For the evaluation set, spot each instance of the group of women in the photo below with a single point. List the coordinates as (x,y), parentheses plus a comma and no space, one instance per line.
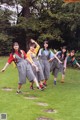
(38,62)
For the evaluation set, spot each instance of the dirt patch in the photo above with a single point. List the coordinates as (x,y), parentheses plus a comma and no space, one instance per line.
(50,110)
(26,93)
(7,89)
(31,97)
(42,104)
(43,118)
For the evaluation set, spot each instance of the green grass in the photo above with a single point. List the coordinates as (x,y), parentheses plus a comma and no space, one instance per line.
(65,98)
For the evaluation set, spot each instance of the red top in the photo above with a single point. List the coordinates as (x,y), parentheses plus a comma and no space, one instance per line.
(11,58)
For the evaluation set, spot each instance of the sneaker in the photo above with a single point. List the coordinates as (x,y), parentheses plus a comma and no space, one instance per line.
(18,92)
(31,87)
(40,88)
(62,81)
(54,82)
(45,84)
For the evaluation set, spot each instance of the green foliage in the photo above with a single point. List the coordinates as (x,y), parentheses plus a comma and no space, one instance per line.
(41,19)
(5,44)
(5,39)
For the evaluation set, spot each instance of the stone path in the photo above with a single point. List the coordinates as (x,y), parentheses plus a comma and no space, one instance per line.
(31,97)
(50,110)
(44,118)
(42,104)
(7,89)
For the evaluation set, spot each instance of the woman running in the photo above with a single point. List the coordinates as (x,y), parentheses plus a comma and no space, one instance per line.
(60,67)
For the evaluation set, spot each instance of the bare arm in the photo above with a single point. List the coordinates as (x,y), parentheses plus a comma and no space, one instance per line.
(65,62)
(4,68)
(78,64)
(37,46)
(57,59)
(29,59)
(32,63)
(33,41)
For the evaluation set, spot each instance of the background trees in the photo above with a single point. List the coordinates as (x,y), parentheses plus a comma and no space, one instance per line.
(54,20)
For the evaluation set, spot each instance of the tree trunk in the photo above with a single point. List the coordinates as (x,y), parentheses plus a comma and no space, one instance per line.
(26,14)
(26,10)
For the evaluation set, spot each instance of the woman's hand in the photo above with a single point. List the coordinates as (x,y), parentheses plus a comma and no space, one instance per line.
(35,67)
(64,69)
(60,61)
(6,65)
(32,41)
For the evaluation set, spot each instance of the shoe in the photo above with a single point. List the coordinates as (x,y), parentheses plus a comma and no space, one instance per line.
(40,88)
(54,82)
(45,85)
(62,81)
(18,92)
(31,87)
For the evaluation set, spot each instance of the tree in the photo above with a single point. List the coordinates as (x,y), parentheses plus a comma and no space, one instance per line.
(48,19)
(5,39)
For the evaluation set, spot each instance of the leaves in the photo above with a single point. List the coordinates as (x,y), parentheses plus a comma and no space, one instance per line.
(41,19)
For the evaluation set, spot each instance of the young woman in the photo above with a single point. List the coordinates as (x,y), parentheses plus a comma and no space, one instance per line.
(62,55)
(31,54)
(46,56)
(71,58)
(23,65)
(60,67)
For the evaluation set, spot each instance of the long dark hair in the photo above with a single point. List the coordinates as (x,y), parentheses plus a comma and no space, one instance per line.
(13,51)
(65,53)
(72,51)
(47,42)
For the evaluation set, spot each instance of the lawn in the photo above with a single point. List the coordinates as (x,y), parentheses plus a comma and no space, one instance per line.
(63,99)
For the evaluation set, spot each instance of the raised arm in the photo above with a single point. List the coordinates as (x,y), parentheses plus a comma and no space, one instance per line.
(4,68)
(37,46)
(78,64)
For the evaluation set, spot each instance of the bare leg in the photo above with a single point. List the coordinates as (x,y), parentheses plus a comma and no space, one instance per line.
(41,82)
(31,85)
(36,81)
(62,80)
(42,85)
(19,86)
(45,82)
(55,80)
(18,89)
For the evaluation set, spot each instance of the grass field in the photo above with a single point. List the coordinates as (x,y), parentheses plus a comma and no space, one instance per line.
(63,98)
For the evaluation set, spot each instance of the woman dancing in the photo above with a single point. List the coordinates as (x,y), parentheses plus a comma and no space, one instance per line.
(32,55)
(23,66)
